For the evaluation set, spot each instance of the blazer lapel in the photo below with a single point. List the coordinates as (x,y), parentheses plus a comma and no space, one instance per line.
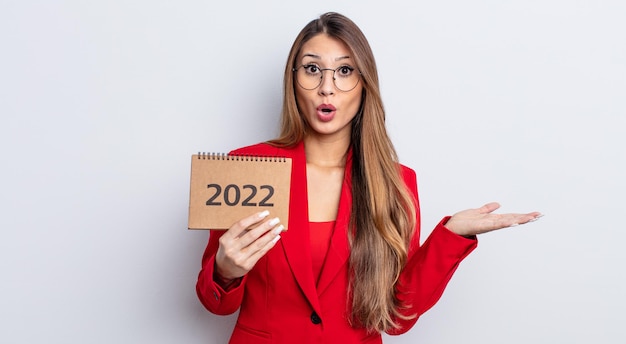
(339,249)
(295,241)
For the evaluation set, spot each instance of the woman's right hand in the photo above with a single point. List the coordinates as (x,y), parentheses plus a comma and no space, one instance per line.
(243,244)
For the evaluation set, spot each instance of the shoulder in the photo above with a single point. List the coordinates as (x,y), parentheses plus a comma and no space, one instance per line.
(264,149)
(409,176)
(259,148)
(410,180)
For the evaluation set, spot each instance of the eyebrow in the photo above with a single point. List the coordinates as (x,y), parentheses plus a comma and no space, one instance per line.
(318,57)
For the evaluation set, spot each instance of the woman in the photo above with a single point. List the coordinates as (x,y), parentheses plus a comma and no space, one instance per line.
(350,266)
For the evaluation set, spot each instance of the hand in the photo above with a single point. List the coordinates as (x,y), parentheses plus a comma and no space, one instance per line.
(477,221)
(243,244)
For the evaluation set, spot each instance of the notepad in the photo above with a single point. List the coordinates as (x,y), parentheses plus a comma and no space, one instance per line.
(226,188)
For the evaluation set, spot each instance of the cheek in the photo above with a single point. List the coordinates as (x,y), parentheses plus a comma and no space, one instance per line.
(357,99)
(299,98)
(303,102)
(302,106)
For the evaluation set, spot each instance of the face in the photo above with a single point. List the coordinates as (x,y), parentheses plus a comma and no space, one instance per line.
(327,109)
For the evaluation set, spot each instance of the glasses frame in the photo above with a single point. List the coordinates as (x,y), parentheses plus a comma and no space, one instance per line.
(295,70)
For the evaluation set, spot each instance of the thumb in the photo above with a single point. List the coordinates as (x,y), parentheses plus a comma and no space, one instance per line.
(489,207)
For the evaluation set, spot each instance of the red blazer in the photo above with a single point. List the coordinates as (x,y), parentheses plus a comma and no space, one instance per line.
(279,300)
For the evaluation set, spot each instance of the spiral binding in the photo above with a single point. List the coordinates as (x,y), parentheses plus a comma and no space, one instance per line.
(237,157)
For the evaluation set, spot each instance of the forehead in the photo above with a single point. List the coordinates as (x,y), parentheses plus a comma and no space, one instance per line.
(325,48)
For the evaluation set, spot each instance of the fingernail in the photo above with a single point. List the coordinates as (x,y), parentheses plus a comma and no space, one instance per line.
(536,218)
(278,229)
(274,221)
(276,238)
(515,224)
(264,214)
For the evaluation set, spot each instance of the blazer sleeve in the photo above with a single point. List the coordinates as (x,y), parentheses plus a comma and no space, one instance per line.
(211,295)
(429,267)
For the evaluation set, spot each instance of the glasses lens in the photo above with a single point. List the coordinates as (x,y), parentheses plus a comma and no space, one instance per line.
(346,78)
(310,77)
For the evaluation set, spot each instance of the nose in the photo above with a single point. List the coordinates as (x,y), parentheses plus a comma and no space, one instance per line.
(327,86)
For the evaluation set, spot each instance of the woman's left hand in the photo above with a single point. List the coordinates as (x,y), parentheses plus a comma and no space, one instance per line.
(477,221)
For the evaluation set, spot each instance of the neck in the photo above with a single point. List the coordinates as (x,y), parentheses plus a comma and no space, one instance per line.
(326,152)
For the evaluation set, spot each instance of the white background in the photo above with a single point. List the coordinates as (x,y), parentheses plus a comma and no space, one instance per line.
(102,104)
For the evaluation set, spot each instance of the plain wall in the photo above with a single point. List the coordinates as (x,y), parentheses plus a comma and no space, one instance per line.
(102,104)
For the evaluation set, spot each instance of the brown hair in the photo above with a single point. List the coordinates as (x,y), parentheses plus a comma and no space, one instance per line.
(383,213)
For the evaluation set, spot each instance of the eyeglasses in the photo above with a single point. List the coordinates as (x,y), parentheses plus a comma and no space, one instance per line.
(310,77)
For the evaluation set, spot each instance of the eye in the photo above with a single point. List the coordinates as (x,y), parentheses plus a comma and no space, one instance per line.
(345,71)
(311,69)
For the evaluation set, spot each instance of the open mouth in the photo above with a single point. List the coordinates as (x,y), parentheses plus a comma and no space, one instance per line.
(326,108)
(326,112)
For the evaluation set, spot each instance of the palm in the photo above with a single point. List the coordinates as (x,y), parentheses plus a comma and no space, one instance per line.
(482,220)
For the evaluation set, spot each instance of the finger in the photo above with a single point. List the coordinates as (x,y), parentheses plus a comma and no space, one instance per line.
(257,232)
(489,207)
(238,250)
(244,224)
(261,246)
(530,217)
(242,259)
(512,220)
(269,241)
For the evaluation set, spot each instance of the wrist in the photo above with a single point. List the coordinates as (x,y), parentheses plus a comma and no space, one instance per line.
(226,283)
(222,281)
(449,224)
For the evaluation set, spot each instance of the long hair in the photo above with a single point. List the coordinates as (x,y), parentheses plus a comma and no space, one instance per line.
(382,217)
